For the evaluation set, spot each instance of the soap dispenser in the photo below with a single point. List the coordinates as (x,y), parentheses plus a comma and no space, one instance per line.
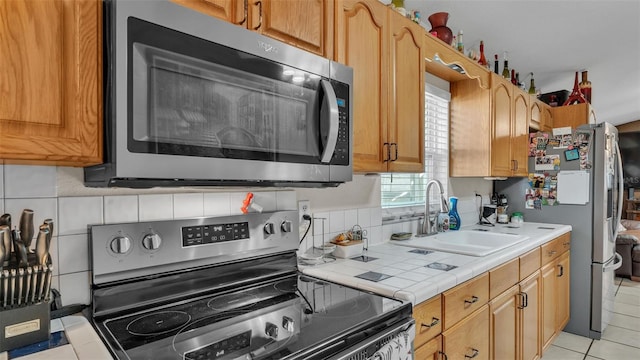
(454,217)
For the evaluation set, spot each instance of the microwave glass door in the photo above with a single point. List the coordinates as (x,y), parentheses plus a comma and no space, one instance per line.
(197,98)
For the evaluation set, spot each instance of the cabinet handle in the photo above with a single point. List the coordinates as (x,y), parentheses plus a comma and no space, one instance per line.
(443,354)
(434,322)
(396,153)
(259,3)
(515,165)
(474,353)
(552,252)
(524,300)
(388,147)
(474,299)
(566,243)
(244,19)
(561,270)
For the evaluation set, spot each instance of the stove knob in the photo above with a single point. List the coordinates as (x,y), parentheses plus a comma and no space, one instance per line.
(120,245)
(288,324)
(271,330)
(151,241)
(286,226)
(269,229)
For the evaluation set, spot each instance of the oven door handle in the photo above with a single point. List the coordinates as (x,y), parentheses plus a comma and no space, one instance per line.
(329,113)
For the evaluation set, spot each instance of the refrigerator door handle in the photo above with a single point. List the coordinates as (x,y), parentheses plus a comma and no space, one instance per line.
(620,192)
(615,264)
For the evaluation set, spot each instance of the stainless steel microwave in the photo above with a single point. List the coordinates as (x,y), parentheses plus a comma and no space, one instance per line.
(192,100)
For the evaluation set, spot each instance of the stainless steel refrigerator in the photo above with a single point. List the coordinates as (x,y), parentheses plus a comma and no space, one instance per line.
(590,185)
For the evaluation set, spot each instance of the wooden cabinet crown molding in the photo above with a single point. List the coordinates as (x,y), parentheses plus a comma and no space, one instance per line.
(448,63)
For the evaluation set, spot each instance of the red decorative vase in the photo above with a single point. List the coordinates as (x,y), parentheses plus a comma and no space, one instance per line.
(439,26)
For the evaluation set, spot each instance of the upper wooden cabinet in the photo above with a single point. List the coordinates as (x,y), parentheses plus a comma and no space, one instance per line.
(573,115)
(386,53)
(540,117)
(489,129)
(510,111)
(304,24)
(50,82)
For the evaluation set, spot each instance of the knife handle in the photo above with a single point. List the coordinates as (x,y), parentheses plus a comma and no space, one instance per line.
(20,249)
(3,250)
(20,282)
(5,287)
(49,223)
(27,285)
(12,285)
(42,250)
(43,278)
(47,287)
(34,283)
(6,240)
(26,227)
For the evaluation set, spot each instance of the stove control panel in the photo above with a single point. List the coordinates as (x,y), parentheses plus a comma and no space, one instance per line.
(214,233)
(132,250)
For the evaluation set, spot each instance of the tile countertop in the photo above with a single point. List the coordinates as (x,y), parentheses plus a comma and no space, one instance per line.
(410,279)
(84,342)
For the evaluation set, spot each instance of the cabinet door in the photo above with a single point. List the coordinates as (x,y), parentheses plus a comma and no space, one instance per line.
(501,164)
(563,296)
(232,11)
(406,122)
(304,24)
(549,297)
(530,346)
(362,42)
(547,119)
(504,325)
(50,82)
(428,316)
(430,351)
(535,115)
(520,133)
(469,338)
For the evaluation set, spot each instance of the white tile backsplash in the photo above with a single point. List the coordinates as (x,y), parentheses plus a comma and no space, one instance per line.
(25,181)
(78,212)
(364,217)
(155,207)
(336,221)
(188,205)
(74,288)
(53,254)
(121,208)
(321,223)
(217,204)
(286,200)
(350,218)
(73,253)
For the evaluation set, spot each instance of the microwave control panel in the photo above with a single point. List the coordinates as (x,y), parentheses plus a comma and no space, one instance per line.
(341,153)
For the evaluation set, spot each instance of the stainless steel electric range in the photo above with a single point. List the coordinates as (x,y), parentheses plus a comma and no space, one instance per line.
(229,288)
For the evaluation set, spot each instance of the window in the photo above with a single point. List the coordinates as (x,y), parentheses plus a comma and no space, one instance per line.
(409,189)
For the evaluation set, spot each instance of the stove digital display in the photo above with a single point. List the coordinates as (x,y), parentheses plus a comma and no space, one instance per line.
(221,348)
(214,233)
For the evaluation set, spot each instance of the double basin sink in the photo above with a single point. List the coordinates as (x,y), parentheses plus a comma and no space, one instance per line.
(474,242)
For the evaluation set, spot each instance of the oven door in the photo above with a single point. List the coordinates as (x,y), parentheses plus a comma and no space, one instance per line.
(198,98)
(394,344)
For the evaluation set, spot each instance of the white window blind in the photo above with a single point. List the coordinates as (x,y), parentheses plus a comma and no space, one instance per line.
(409,189)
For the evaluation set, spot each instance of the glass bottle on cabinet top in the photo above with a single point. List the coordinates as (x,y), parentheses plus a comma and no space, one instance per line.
(495,64)
(483,60)
(532,87)
(505,68)
(460,44)
(585,87)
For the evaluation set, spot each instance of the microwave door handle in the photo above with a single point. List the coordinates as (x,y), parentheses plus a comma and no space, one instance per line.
(329,112)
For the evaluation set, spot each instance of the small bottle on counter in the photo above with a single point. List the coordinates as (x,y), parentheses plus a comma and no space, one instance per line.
(454,217)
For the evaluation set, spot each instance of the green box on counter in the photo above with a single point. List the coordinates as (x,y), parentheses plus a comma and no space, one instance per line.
(24,325)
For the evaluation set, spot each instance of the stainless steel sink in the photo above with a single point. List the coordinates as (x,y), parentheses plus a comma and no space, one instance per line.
(466,242)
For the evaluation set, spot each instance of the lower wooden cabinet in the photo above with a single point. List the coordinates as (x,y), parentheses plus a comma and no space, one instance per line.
(430,351)
(469,338)
(504,324)
(555,297)
(529,317)
(513,311)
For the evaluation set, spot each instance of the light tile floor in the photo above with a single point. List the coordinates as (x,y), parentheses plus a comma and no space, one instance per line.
(620,340)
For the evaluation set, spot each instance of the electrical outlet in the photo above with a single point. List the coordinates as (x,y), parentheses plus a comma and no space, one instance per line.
(304,208)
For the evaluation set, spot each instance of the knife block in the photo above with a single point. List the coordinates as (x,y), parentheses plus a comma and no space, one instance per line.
(24,325)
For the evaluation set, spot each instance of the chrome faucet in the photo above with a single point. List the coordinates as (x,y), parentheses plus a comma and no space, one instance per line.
(430,223)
